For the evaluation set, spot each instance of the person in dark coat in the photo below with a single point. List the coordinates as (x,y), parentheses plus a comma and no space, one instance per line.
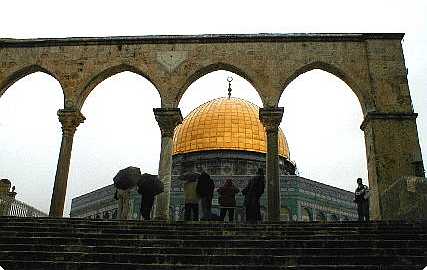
(361,198)
(205,189)
(227,199)
(147,201)
(252,193)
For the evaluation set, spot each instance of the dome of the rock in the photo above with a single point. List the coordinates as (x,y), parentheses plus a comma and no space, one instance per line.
(224,124)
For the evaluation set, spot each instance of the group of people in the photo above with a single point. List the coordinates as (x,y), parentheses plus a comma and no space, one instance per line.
(123,197)
(203,189)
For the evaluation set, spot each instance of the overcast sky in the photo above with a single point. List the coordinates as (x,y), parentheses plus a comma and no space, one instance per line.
(321,119)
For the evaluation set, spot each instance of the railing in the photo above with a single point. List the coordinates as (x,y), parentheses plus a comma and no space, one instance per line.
(12,207)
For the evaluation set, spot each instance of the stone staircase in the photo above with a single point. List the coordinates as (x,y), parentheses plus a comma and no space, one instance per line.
(49,243)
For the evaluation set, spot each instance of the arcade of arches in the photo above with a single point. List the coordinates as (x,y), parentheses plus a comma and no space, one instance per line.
(371,64)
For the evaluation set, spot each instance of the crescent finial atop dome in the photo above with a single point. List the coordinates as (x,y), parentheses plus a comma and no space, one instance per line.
(229,80)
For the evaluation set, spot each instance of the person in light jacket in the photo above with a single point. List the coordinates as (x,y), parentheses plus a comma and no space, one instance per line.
(123,196)
(191,201)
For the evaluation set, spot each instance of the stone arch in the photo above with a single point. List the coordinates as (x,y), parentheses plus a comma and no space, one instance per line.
(215,67)
(23,72)
(364,100)
(351,108)
(107,73)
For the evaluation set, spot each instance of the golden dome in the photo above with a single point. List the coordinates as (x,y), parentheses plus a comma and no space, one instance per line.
(224,123)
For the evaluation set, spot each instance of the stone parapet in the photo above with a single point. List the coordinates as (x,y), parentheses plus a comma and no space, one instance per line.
(405,199)
(208,38)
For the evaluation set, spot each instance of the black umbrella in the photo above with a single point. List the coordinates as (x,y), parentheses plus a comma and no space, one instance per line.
(150,184)
(189,176)
(127,178)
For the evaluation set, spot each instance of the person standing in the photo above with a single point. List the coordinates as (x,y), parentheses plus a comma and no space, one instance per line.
(205,188)
(147,201)
(227,199)
(191,201)
(148,186)
(122,195)
(361,198)
(252,193)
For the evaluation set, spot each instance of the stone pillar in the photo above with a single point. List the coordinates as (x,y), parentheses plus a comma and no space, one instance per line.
(168,119)
(393,151)
(70,120)
(5,197)
(271,118)
(5,185)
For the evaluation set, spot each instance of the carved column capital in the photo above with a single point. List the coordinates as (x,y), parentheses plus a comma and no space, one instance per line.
(271,118)
(70,120)
(168,119)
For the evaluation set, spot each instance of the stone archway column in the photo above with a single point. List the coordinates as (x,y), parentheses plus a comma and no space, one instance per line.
(395,166)
(271,118)
(168,119)
(70,120)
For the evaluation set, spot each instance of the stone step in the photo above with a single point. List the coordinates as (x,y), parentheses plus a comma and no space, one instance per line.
(305,243)
(220,237)
(219,228)
(229,259)
(55,243)
(49,265)
(297,225)
(215,251)
(208,223)
(234,230)
(205,231)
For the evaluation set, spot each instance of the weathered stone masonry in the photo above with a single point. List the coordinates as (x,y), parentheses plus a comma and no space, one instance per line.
(371,64)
